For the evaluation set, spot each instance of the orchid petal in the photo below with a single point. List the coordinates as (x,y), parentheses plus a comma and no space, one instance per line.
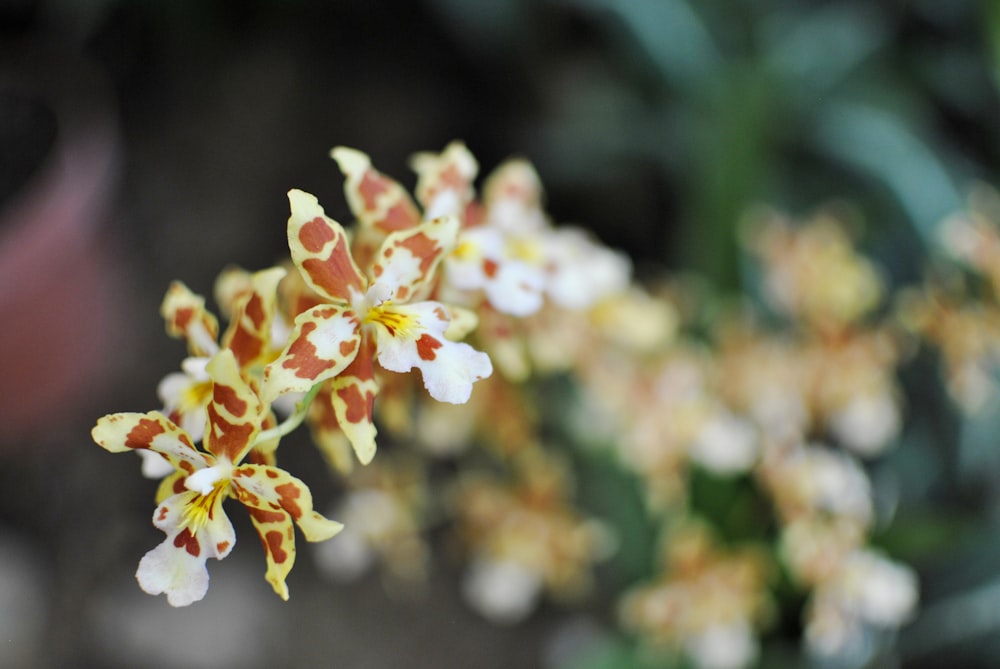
(171,485)
(324,341)
(232,284)
(235,413)
(353,398)
(511,190)
(272,489)
(327,435)
(461,322)
(274,498)
(407,259)
(487,259)
(121,432)
(182,576)
(186,394)
(186,317)
(154,465)
(196,529)
(320,248)
(583,272)
(249,332)
(516,288)
(444,181)
(376,200)
(197,522)
(448,368)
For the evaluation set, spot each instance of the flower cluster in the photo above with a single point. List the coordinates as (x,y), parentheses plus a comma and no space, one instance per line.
(540,356)
(958,310)
(318,343)
(788,402)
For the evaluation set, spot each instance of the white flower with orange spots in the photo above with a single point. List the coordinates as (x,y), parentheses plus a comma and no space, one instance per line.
(370,317)
(190,509)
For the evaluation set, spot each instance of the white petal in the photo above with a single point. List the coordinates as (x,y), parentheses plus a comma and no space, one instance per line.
(583,272)
(867,423)
(726,444)
(448,368)
(516,289)
(203,480)
(167,569)
(154,465)
(723,646)
(450,377)
(504,592)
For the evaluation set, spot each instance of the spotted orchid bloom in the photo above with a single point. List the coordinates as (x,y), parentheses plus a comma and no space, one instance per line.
(369,317)
(190,509)
(186,394)
(444,182)
(256,332)
(501,262)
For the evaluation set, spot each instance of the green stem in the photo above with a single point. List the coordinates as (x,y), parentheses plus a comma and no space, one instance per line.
(293,421)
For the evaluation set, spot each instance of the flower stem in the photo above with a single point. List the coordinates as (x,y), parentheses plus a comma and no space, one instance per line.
(293,421)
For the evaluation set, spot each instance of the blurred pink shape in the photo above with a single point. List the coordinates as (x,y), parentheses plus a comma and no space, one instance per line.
(56,291)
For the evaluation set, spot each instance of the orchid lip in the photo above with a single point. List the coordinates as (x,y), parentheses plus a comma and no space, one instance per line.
(205,480)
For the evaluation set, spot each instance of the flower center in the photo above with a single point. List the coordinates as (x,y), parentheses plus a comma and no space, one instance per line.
(200,510)
(395,322)
(466,251)
(195,396)
(524,249)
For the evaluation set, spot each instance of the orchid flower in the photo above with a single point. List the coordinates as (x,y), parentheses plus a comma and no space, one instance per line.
(186,394)
(190,509)
(497,257)
(370,317)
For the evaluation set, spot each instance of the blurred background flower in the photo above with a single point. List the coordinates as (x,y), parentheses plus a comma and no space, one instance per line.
(656,124)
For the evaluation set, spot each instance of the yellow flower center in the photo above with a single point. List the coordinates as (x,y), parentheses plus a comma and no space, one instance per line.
(526,249)
(199,510)
(395,322)
(466,250)
(195,396)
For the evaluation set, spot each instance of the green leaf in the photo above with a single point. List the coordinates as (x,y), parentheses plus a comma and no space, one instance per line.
(672,35)
(884,146)
(733,505)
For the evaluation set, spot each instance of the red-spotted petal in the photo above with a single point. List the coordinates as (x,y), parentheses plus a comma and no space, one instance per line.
(272,489)
(444,180)
(320,248)
(326,433)
(127,431)
(249,332)
(274,498)
(235,413)
(171,485)
(512,196)
(376,200)
(407,259)
(185,316)
(353,398)
(324,341)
